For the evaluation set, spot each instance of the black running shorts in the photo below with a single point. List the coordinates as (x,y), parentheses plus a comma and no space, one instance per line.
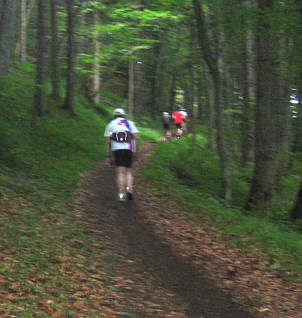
(123,158)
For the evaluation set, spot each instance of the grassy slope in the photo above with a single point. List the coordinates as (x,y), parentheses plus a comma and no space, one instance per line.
(39,169)
(189,176)
(44,249)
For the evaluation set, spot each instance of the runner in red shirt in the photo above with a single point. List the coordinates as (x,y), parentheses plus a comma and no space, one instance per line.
(179,119)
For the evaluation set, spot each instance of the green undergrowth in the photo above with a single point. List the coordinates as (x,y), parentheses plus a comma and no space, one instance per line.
(49,157)
(45,250)
(45,162)
(189,177)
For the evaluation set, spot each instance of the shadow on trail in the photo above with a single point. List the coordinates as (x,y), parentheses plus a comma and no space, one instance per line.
(200,297)
(126,223)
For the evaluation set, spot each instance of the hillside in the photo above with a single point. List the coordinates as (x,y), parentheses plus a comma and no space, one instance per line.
(69,249)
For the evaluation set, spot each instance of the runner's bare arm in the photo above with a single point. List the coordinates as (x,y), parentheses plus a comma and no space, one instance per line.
(108,149)
(108,141)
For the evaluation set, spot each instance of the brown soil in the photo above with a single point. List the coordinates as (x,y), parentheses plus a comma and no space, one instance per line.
(163,262)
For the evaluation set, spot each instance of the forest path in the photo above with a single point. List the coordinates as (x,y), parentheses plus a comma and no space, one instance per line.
(169,265)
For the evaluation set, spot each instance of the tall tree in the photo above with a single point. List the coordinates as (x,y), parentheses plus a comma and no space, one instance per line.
(26,7)
(248,93)
(96,66)
(263,176)
(212,63)
(7,30)
(55,78)
(23,31)
(39,98)
(296,211)
(71,60)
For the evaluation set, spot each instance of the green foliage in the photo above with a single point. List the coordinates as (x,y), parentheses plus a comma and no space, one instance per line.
(57,150)
(39,171)
(127,29)
(192,166)
(145,16)
(147,133)
(51,156)
(284,196)
(189,177)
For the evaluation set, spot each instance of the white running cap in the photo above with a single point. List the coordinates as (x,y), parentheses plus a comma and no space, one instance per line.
(119,111)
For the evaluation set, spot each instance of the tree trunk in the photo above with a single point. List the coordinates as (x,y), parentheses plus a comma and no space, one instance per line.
(96,64)
(210,116)
(55,78)
(296,212)
(39,99)
(264,171)
(171,105)
(212,64)
(21,45)
(163,76)
(190,89)
(131,86)
(7,30)
(23,31)
(70,88)
(201,95)
(139,92)
(248,91)
(282,114)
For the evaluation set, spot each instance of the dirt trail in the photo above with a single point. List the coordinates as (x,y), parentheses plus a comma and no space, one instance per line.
(168,260)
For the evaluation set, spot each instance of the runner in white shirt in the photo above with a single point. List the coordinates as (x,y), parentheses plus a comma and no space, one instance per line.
(185,114)
(122,139)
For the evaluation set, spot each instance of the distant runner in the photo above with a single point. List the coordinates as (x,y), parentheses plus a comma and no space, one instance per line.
(179,119)
(185,114)
(166,120)
(122,142)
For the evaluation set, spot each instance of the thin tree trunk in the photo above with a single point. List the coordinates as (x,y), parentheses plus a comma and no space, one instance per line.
(39,99)
(55,78)
(139,91)
(70,88)
(247,142)
(23,31)
(200,94)
(155,91)
(296,211)
(212,64)
(282,114)
(7,30)
(21,46)
(171,105)
(96,64)
(159,77)
(131,86)
(211,102)
(190,91)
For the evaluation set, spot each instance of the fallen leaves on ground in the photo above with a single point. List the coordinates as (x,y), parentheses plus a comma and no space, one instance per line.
(82,271)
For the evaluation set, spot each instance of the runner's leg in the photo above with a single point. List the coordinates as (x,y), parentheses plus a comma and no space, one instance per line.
(129,179)
(121,179)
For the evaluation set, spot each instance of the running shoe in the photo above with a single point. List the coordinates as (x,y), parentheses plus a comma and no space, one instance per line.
(129,194)
(121,197)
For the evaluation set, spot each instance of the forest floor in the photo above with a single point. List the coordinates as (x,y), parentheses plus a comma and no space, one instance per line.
(167,263)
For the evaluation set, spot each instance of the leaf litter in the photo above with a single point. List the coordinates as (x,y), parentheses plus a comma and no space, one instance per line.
(97,269)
